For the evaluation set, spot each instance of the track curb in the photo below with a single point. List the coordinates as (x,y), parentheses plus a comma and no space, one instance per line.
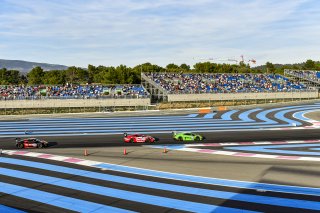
(190,148)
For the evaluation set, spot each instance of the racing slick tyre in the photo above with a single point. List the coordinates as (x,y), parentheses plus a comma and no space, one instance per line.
(180,139)
(40,145)
(20,146)
(197,138)
(148,141)
(131,140)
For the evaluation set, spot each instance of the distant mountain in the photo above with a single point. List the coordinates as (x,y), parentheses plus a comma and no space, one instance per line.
(26,66)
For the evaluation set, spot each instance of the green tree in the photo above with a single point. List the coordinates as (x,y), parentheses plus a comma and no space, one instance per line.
(92,71)
(35,76)
(82,75)
(270,67)
(3,76)
(10,77)
(148,67)
(71,75)
(23,79)
(125,74)
(310,64)
(76,75)
(185,67)
(105,75)
(13,77)
(173,68)
(54,77)
(205,67)
(98,76)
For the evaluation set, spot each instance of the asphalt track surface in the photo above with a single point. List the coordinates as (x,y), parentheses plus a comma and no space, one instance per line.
(58,142)
(62,187)
(32,187)
(255,124)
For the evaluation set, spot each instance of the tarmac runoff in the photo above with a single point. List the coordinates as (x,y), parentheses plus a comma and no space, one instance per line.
(217,166)
(71,186)
(270,119)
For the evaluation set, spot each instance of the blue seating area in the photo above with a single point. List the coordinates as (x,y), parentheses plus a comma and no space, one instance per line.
(21,92)
(224,83)
(311,75)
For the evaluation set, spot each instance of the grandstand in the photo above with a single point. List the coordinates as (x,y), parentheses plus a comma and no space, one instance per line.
(202,87)
(20,92)
(181,89)
(311,78)
(72,98)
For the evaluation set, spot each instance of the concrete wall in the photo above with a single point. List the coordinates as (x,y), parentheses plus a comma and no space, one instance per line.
(49,103)
(241,96)
(55,103)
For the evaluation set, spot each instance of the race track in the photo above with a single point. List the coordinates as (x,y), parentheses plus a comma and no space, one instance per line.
(166,138)
(282,123)
(253,160)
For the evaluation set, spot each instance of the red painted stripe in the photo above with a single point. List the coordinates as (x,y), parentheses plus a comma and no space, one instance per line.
(243,154)
(311,141)
(278,142)
(72,160)
(20,152)
(45,156)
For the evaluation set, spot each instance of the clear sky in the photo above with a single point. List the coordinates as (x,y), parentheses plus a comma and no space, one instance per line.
(131,32)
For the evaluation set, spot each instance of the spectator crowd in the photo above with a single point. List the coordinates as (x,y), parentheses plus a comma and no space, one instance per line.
(69,91)
(173,83)
(224,83)
(310,75)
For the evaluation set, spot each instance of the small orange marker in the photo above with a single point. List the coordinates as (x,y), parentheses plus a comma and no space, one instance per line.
(86,152)
(165,150)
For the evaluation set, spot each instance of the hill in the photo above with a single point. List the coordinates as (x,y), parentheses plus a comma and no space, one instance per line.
(26,66)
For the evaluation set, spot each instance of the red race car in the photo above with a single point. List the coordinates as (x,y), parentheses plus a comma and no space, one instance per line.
(138,138)
(30,143)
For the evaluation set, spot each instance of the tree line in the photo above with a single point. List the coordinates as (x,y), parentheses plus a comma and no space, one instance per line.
(131,75)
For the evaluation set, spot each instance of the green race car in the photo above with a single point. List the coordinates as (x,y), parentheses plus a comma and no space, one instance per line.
(187,136)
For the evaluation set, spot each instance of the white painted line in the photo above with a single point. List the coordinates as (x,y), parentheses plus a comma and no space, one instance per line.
(192,148)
